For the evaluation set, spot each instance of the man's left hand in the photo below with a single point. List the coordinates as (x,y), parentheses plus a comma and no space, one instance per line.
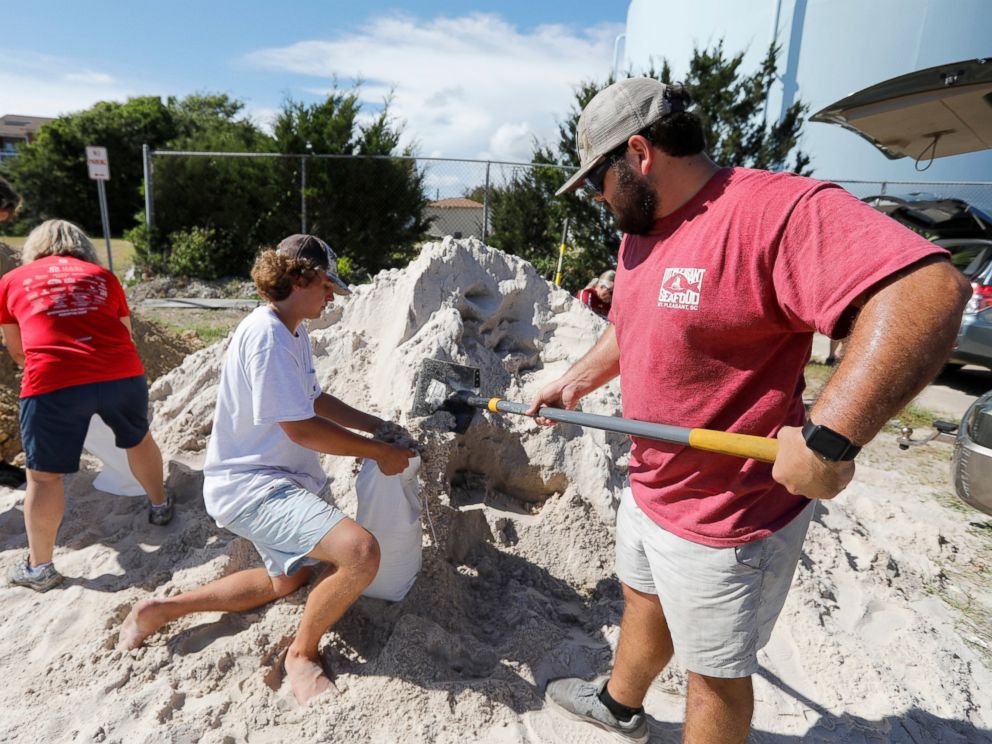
(805,473)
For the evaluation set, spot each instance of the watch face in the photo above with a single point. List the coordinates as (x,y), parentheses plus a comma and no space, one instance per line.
(833,444)
(826,442)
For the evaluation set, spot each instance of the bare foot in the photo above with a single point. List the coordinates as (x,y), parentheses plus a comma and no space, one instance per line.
(144,619)
(306,677)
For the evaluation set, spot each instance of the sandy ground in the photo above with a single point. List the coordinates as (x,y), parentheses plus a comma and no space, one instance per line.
(885,637)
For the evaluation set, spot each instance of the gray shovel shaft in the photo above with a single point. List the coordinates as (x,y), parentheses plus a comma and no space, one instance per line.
(662,432)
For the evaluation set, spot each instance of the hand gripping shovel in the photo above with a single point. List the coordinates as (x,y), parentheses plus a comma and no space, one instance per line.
(455,388)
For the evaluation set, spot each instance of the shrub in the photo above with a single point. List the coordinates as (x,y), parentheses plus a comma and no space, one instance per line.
(196,253)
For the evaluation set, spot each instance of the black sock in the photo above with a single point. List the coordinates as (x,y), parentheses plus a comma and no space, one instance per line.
(622,712)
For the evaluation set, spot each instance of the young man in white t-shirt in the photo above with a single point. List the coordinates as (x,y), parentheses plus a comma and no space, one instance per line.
(262,473)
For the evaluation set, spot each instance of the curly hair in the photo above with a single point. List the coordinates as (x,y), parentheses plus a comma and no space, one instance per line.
(275,275)
(58,238)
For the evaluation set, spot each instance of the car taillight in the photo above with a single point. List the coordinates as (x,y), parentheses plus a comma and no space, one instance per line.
(983,293)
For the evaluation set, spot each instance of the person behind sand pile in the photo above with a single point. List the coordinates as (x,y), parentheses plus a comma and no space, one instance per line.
(10,203)
(263,474)
(66,321)
(598,293)
(723,275)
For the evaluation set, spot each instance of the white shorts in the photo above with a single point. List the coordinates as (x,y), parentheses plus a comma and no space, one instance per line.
(720,603)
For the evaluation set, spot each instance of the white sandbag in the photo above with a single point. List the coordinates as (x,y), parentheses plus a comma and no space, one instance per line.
(116,476)
(389,507)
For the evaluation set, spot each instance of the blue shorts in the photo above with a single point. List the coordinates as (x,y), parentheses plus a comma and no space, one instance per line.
(54,425)
(285,526)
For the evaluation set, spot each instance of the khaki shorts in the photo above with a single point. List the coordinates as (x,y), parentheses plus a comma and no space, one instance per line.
(720,603)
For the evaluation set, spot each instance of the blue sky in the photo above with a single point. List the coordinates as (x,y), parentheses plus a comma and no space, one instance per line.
(469,79)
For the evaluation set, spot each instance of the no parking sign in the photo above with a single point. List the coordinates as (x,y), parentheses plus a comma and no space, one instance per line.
(97,163)
(99,168)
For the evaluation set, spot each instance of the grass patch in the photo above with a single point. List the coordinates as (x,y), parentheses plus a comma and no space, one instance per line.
(121,250)
(209,334)
(913,416)
(817,375)
(952,502)
(206,326)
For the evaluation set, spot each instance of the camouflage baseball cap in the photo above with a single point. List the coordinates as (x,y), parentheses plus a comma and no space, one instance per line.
(316,251)
(614,115)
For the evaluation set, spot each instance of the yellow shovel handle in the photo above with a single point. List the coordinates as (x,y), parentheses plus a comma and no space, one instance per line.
(740,445)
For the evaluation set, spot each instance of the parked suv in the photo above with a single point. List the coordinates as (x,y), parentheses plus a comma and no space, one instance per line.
(966,232)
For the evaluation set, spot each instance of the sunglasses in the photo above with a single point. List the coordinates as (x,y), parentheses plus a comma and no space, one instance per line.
(595,177)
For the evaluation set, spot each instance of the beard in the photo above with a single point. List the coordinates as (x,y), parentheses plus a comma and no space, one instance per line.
(634,202)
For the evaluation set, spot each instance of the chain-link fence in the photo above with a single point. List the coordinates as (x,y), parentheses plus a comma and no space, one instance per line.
(976,193)
(208,189)
(458,191)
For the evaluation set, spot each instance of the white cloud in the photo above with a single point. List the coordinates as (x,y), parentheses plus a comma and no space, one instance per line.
(88,78)
(472,87)
(42,85)
(512,138)
(263,116)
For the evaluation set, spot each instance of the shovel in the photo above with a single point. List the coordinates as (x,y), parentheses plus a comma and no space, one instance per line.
(444,386)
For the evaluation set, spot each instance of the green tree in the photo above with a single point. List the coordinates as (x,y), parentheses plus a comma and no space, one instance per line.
(732,106)
(51,175)
(524,215)
(230,202)
(370,208)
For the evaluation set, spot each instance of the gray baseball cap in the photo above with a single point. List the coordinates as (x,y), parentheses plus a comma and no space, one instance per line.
(316,251)
(614,115)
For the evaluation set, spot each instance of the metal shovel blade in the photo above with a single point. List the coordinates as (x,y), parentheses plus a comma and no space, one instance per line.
(437,381)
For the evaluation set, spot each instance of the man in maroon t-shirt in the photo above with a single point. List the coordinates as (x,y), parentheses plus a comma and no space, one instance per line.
(722,278)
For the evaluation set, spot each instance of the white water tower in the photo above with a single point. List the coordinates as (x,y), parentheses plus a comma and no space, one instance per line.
(829,49)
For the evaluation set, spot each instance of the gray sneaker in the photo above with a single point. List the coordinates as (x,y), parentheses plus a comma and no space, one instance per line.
(579,700)
(48,577)
(161,514)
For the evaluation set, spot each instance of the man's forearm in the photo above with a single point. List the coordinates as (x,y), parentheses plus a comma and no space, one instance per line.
(331,408)
(599,365)
(323,435)
(898,345)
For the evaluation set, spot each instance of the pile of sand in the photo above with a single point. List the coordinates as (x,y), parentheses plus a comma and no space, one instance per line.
(517,587)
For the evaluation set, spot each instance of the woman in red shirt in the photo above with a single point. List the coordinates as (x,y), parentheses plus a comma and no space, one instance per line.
(65,319)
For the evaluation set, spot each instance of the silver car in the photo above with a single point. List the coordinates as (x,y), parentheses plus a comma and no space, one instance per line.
(974,344)
(971,467)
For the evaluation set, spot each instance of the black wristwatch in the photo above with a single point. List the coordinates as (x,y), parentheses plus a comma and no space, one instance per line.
(828,444)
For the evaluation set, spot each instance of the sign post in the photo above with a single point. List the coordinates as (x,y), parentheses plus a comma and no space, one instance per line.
(99,168)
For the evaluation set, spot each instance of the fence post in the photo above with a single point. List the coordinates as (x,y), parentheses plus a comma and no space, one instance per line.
(883,187)
(485,206)
(303,194)
(146,157)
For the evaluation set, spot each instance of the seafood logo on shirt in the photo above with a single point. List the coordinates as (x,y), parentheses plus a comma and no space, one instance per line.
(680,289)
